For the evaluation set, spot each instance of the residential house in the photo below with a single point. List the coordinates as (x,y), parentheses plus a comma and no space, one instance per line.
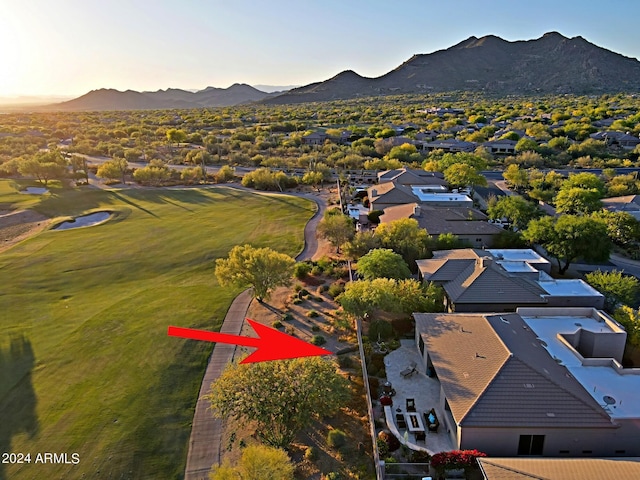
(468,224)
(559,468)
(538,382)
(627,203)
(501,281)
(501,147)
(314,138)
(617,140)
(451,145)
(411,176)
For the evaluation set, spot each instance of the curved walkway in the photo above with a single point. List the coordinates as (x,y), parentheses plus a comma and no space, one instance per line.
(205,442)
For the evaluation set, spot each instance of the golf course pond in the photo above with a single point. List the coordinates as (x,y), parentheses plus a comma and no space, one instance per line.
(88,220)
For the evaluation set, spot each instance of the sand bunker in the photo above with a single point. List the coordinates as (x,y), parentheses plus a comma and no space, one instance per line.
(34,191)
(17,225)
(84,221)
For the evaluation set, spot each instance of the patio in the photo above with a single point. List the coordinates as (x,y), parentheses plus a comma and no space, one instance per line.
(426,394)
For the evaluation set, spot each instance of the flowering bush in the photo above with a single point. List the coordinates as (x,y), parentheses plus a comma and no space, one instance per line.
(456,459)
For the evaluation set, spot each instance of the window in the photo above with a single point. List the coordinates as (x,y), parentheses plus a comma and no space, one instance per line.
(421,345)
(531,445)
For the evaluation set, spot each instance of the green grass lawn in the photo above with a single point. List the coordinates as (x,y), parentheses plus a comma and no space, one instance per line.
(86,365)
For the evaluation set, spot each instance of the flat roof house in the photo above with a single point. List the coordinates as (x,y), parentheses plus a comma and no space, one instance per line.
(501,281)
(538,382)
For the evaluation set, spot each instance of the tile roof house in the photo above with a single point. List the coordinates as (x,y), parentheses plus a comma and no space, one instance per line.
(468,224)
(502,280)
(617,139)
(411,176)
(501,147)
(627,203)
(314,138)
(451,145)
(536,382)
(559,468)
(389,194)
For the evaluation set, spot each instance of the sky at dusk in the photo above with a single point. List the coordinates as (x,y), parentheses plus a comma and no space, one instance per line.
(69,47)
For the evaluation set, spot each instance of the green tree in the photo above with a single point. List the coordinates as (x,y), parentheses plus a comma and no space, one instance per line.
(313,178)
(404,236)
(44,166)
(622,227)
(516,209)
(258,462)
(578,201)
(517,177)
(337,229)
(113,169)
(570,237)
(360,245)
(616,287)
(363,297)
(80,167)
(464,175)
(280,398)
(383,263)
(152,175)
(176,136)
(630,320)
(261,268)
(225,174)
(585,180)
(526,144)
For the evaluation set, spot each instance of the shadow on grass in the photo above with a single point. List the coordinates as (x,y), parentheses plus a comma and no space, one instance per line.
(17,396)
(124,199)
(163,438)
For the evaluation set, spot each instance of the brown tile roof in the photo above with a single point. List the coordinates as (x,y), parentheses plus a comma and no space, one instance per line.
(410,176)
(441,270)
(480,283)
(390,192)
(466,353)
(559,468)
(495,373)
(438,220)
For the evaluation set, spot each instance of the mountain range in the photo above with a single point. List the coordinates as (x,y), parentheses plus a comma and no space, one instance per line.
(551,64)
(110,99)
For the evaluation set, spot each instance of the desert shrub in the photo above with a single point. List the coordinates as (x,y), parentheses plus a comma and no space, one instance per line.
(315,328)
(277,324)
(383,448)
(301,270)
(335,289)
(297,301)
(287,317)
(332,476)
(312,314)
(318,340)
(389,438)
(336,438)
(315,271)
(297,287)
(303,292)
(311,453)
(374,385)
(345,361)
(322,289)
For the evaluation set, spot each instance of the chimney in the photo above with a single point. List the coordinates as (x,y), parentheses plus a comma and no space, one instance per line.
(417,210)
(374,192)
(483,262)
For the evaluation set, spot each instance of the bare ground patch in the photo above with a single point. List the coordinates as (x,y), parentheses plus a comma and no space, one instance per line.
(18,225)
(355,459)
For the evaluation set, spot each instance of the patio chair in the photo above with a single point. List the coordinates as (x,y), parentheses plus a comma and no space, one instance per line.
(411,405)
(410,370)
(421,436)
(400,420)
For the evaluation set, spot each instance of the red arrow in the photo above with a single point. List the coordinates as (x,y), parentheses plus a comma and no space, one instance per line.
(271,344)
